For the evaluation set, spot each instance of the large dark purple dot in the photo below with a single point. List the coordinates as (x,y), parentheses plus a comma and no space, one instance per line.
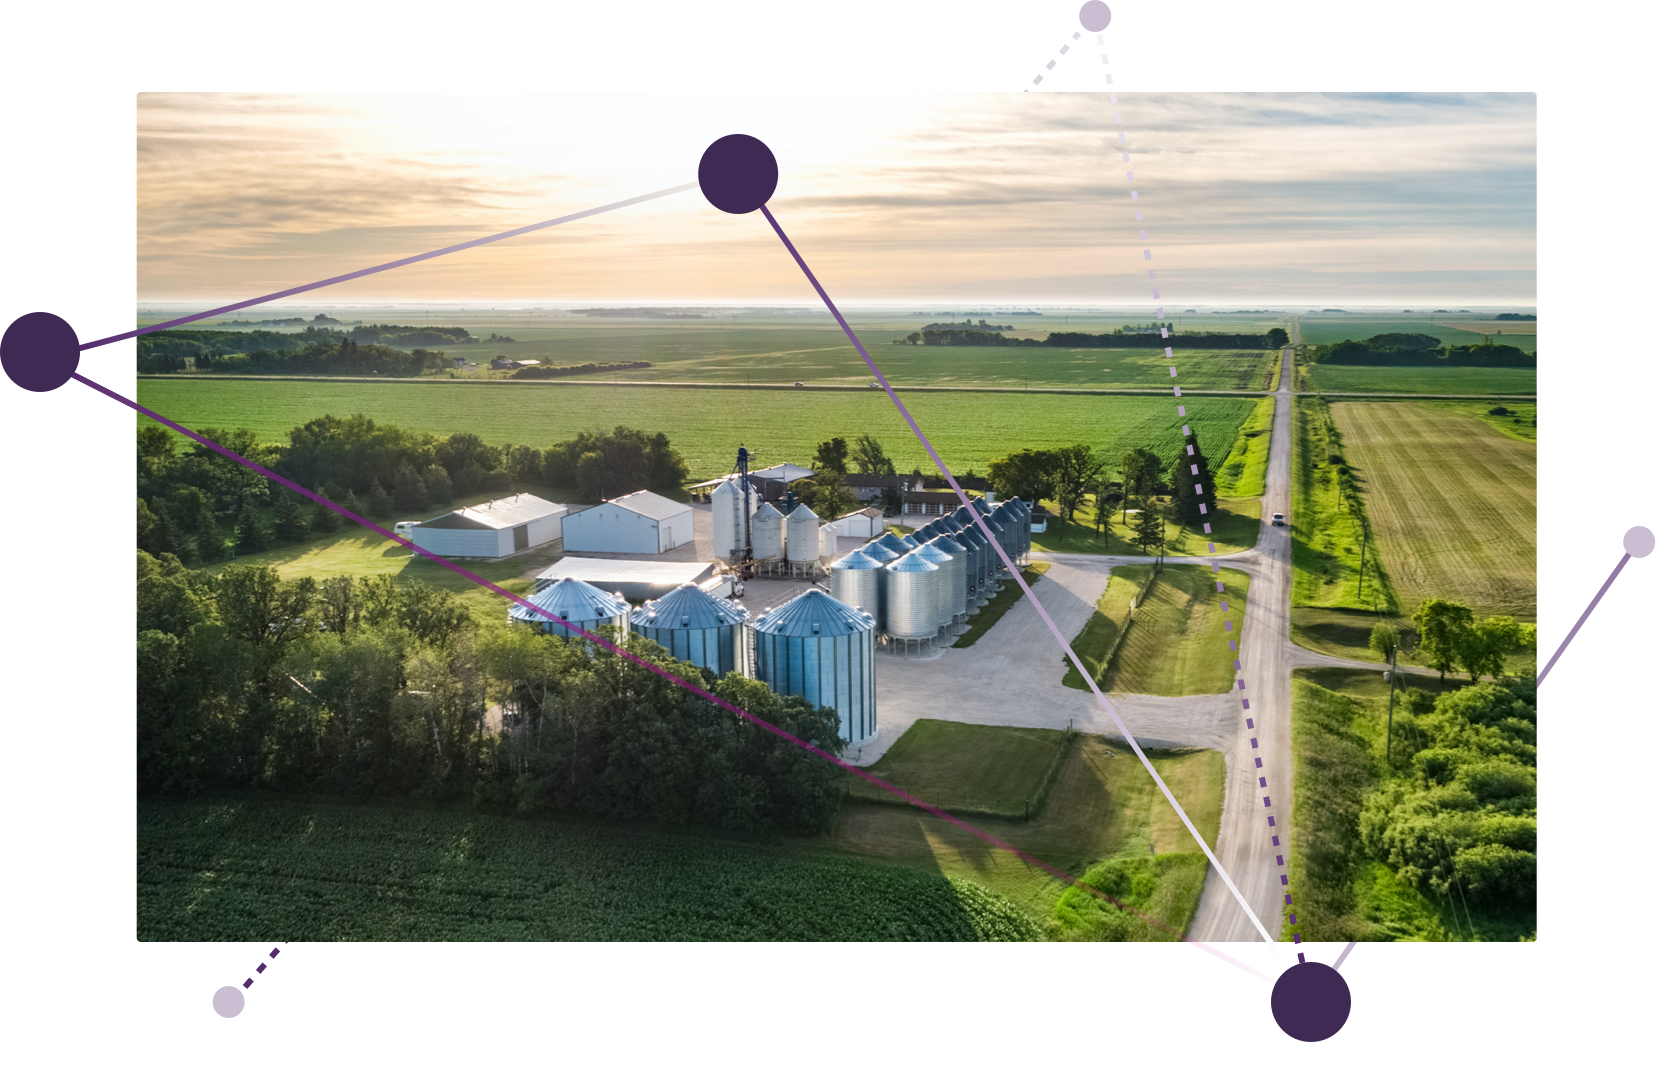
(737,174)
(1310,1001)
(1095,15)
(40,351)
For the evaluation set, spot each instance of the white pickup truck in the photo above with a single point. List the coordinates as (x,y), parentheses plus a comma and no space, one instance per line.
(1278,519)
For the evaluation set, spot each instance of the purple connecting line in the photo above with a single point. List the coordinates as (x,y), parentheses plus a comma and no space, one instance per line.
(684,684)
(1013,570)
(336,279)
(1568,638)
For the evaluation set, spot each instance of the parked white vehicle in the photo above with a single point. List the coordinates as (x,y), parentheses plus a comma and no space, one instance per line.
(405,530)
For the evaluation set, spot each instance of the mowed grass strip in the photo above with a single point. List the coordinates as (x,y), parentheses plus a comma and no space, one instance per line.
(1242,473)
(968,429)
(1103,630)
(1000,604)
(1102,805)
(1176,646)
(1453,504)
(965,768)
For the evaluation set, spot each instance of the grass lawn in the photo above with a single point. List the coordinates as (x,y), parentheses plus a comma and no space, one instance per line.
(1176,646)
(963,768)
(1328,548)
(1340,892)
(1235,525)
(1242,474)
(1102,805)
(705,425)
(1453,504)
(1001,603)
(1348,379)
(1100,634)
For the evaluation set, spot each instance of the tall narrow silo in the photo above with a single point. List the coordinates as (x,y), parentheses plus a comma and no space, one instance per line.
(802,538)
(963,577)
(729,530)
(1022,510)
(692,624)
(912,587)
(573,601)
(855,580)
(767,535)
(951,582)
(978,564)
(822,650)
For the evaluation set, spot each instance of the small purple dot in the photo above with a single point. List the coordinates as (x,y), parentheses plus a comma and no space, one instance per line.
(39,351)
(1638,542)
(1310,1002)
(228,1001)
(1095,15)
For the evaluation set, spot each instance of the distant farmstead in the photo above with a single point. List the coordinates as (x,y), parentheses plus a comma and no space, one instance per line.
(641,522)
(498,528)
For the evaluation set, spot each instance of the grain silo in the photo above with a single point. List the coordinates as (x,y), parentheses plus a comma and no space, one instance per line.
(877,550)
(767,536)
(977,549)
(732,510)
(926,533)
(855,580)
(576,602)
(822,650)
(1023,512)
(951,585)
(962,580)
(911,599)
(692,624)
(896,542)
(802,539)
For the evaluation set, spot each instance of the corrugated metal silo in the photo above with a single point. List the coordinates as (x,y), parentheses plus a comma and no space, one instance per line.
(911,601)
(896,542)
(855,580)
(963,579)
(878,551)
(802,541)
(729,533)
(693,625)
(584,605)
(951,588)
(767,534)
(822,650)
(972,538)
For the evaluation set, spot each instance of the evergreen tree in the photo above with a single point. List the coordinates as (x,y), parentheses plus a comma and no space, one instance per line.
(410,491)
(324,520)
(439,488)
(1149,529)
(290,520)
(251,536)
(379,501)
(160,533)
(351,503)
(1191,470)
(209,538)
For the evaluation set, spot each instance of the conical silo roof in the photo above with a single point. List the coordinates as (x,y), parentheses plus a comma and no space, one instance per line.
(691,607)
(911,562)
(813,613)
(856,560)
(570,598)
(879,551)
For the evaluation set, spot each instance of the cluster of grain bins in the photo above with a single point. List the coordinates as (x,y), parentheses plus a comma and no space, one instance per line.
(692,624)
(921,587)
(569,603)
(748,529)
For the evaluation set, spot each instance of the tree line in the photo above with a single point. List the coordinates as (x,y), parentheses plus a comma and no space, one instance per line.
(202,507)
(365,687)
(1276,337)
(167,351)
(1420,350)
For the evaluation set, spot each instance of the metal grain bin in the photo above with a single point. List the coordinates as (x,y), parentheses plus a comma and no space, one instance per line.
(694,625)
(977,562)
(767,534)
(911,599)
(855,581)
(897,543)
(963,584)
(951,587)
(729,532)
(569,599)
(822,650)
(876,551)
(802,540)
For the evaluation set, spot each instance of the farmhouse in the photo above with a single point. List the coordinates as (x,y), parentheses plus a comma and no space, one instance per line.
(641,522)
(871,487)
(498,528)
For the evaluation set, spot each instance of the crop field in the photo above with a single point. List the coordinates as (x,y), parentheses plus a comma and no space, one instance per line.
(1336,379)
(1467,330)
(1242,473)
(1453,504)
(1176,644)
(964,768)
(968,429)
(279,870)
(1102,805)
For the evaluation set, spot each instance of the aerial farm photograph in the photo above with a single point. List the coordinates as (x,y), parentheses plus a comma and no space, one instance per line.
(841,517)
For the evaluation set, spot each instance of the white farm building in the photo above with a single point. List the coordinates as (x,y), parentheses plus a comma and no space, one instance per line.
(498,528)
(641,522)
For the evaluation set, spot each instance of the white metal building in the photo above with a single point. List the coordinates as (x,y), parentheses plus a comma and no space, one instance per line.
(498,528)
(641,522)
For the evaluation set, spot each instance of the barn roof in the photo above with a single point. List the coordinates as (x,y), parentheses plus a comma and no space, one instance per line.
(497,515)
(651,505)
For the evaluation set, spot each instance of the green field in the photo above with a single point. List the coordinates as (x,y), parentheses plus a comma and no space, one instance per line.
(1325,330)
(1344,379)
(1103,630)
(1242,473)
(968,429)
(967,769)
(268,869)
(1176,646)
(1453,504)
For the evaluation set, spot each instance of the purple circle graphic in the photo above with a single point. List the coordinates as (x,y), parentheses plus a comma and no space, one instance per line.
(1095,15)
(228,1001)
(1639,541)
(737,174)
(40,351)
(1310,1001)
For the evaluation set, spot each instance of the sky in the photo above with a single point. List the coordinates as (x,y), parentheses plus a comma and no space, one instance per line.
(1248,198)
